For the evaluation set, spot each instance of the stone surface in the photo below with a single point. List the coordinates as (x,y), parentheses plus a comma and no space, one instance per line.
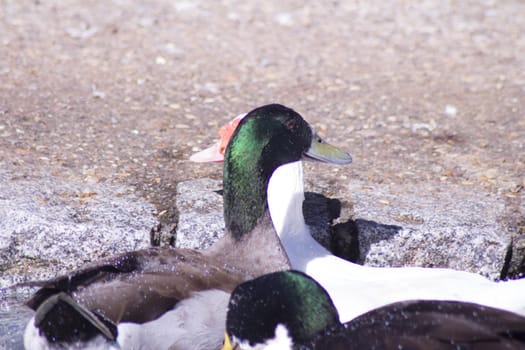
(201,221)
(49,226)
(514,220)
(431,226)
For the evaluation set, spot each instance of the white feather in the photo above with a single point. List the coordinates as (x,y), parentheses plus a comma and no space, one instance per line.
(196,323)
(281,341)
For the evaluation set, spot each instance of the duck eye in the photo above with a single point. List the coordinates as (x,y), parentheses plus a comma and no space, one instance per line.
(291,124)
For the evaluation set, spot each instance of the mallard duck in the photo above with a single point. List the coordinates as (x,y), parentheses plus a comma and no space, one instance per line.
(356,289)
(161,297)
(289,310)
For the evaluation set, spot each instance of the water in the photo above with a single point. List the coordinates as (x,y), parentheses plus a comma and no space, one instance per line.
(14,316)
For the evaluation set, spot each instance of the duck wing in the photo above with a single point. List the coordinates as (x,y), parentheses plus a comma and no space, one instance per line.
(429,325)
(140,286)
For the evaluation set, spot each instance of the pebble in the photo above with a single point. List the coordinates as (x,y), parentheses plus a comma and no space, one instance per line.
(160,60)
(451,110)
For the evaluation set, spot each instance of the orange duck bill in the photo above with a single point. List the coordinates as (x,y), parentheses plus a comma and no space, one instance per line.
(215,153)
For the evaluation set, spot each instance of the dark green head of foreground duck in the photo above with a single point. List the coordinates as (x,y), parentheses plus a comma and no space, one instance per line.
(268,137)
(276,309)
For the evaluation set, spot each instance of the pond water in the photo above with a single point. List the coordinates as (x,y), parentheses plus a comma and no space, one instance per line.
(14,316)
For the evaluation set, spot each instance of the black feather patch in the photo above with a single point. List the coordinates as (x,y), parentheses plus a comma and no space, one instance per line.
(61,320)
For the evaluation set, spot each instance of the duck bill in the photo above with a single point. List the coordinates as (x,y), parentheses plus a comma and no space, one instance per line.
(324,152)
(211,154)
(227,345)
(215,153)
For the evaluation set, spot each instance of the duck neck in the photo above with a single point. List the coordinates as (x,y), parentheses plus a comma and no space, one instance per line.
(285,202)
(244,204)
(255,253)
(249,229)
(245,182)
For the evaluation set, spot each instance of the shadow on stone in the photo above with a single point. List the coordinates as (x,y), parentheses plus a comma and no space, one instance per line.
(352,240)
(319,213)
(344,241)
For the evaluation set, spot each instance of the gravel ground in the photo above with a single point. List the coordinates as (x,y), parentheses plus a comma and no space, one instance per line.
(418,91)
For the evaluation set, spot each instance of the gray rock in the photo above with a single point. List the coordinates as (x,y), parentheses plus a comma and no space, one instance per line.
(397,225)
(429,225)
(514,221)
(201,220)
(49,226)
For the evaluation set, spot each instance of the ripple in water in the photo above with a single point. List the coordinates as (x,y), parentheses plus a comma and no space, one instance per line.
(14,316)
